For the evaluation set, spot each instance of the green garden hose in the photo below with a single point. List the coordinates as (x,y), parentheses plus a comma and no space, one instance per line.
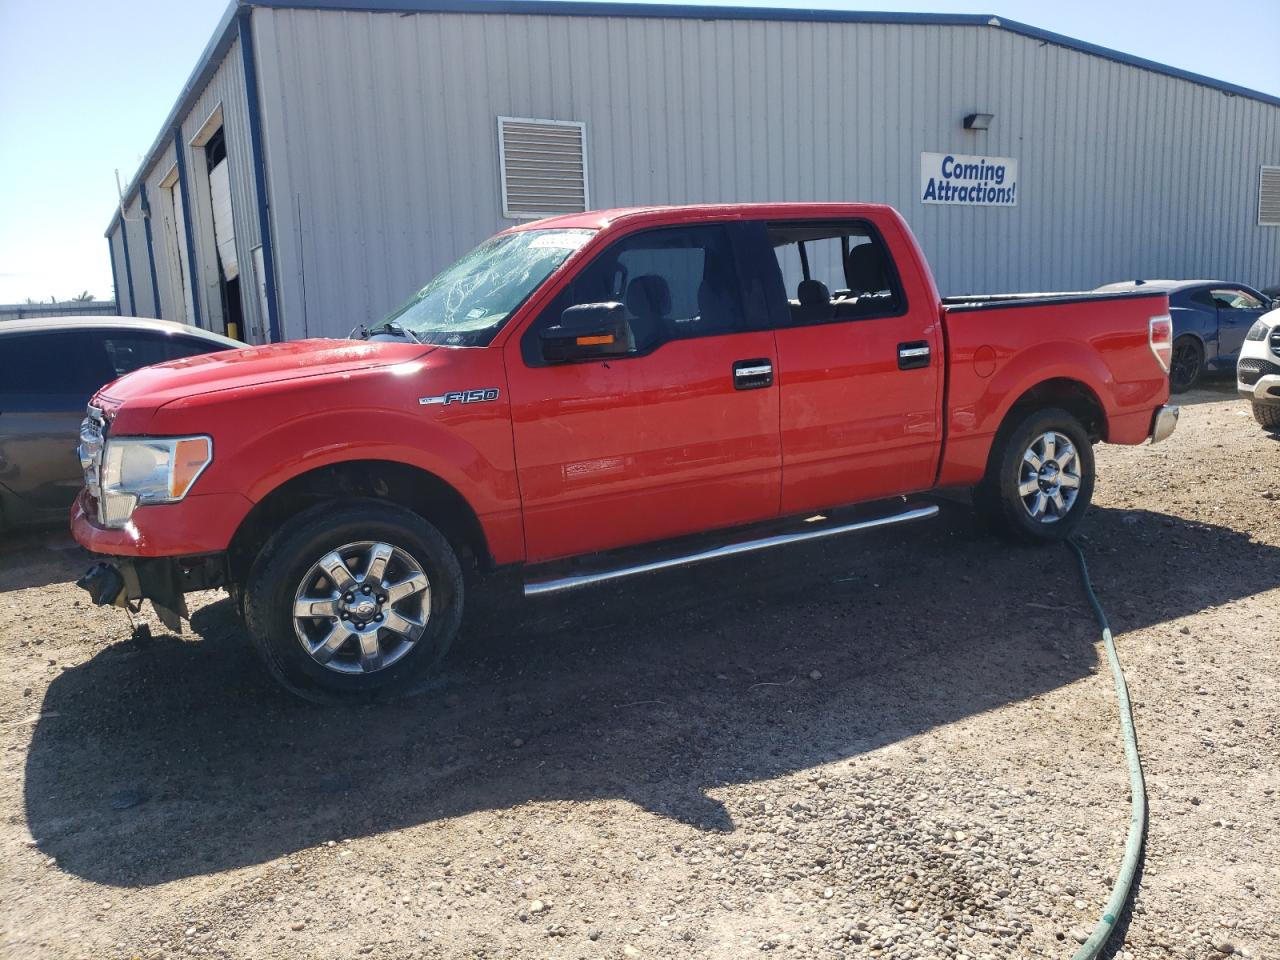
(1138,807)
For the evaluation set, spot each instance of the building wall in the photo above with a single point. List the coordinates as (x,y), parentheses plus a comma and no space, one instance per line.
(143,300)
(382,162)
(167,277)
(225,89)
(116,239)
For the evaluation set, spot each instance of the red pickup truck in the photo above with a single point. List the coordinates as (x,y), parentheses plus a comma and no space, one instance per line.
(683,378)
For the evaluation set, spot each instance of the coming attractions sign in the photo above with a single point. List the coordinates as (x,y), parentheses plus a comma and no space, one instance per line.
(969,181)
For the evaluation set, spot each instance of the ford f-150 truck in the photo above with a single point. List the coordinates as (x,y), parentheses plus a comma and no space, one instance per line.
(591,396)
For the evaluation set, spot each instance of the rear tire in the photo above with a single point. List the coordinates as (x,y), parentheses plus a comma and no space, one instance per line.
(1267,414)
(1039,478)
(1187,364)
(383,614)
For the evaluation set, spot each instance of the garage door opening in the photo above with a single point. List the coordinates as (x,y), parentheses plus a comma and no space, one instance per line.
(224,233)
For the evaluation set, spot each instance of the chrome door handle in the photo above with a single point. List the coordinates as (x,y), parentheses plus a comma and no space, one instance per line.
(913,355)
(752,374)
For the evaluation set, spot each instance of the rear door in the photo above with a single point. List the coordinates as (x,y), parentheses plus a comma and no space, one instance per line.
(860,360)
(681,435)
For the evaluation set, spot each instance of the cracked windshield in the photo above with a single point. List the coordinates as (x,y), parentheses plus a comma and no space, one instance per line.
(467,304)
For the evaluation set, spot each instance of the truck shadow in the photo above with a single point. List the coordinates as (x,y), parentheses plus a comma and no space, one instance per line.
(653,691)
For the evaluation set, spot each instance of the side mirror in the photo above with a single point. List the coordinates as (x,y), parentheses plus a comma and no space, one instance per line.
(588,331)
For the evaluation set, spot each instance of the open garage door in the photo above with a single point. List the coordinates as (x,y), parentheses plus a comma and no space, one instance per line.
(224,233)
(224,229)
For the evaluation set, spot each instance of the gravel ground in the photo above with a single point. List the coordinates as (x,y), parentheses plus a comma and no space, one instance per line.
(900,745)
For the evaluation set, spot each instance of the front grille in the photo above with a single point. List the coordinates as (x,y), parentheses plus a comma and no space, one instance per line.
(1275,341)
(1250,370)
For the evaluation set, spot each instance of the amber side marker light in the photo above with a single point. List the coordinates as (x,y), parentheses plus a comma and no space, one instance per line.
(190,457)
(600,341)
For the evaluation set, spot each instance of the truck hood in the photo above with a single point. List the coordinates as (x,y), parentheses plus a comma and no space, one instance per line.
(252,366)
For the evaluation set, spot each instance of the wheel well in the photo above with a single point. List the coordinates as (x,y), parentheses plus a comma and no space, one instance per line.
(1072,396)
(399,483)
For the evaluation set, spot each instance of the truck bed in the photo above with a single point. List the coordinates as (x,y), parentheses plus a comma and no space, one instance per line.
(1001,345)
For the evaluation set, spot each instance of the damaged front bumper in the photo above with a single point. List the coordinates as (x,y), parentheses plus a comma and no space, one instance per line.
(127,581)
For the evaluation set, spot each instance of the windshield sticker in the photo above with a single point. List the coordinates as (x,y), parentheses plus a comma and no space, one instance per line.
(560,241)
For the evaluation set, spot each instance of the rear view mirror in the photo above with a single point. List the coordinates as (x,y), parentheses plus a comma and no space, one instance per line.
(588,331)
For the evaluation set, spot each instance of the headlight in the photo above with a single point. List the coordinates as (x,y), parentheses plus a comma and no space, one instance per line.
(1258,331)
(138,470)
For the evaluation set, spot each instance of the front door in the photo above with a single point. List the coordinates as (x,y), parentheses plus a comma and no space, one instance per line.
(860,368)
(1237,311)
(679,436)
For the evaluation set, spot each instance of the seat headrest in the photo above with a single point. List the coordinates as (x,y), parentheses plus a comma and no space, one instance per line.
(865,269)
(812,293)
(648,296)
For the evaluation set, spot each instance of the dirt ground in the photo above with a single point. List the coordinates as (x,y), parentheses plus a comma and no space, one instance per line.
(899,745)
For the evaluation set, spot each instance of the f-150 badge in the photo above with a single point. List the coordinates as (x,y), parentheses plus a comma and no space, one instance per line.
(462,396)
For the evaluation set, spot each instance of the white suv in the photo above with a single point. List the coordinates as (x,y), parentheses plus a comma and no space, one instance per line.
(1258,369)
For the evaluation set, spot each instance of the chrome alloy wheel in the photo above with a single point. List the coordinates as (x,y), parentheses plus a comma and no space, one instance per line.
(362,607)
(1049,477)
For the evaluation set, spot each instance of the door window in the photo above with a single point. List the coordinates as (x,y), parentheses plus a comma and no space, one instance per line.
(51,364)
(674,283)
(835,272)
(1233,299)
(127,352)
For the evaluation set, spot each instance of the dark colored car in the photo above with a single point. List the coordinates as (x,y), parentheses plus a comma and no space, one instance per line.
(1210,319)
(49,369)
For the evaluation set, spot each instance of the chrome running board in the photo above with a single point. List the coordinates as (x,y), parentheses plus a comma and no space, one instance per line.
(537,588)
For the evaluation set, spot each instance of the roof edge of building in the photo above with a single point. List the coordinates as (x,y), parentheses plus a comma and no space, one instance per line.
(211,58)
(227,30)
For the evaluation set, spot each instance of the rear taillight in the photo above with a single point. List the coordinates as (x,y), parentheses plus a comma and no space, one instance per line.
(1160,336)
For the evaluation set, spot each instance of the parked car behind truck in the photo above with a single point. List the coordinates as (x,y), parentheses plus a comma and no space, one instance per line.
(579,386)
(49,368)
(1210,319)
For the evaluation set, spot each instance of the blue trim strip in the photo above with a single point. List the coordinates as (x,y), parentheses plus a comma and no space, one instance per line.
(193,271)
(115,281)
(128,268)
(227,31)
(259,171)
(151,253)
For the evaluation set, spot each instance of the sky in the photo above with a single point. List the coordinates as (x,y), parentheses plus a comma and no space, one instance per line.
(86,84)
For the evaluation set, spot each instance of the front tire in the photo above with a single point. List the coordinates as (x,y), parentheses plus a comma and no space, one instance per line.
(1268,415)
(1187,364)
(1039,479)
(348,602)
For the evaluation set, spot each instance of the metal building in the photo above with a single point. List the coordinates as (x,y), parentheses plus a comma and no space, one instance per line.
(327,157)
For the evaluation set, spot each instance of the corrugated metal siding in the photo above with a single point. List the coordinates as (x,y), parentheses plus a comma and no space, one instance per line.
(225,88)
(117,257)
(167,276)
(145,305)
(382,161)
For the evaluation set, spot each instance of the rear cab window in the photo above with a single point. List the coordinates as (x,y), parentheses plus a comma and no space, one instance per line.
(835,271)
